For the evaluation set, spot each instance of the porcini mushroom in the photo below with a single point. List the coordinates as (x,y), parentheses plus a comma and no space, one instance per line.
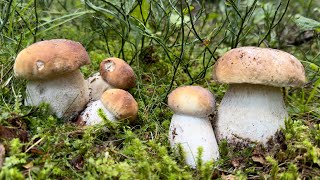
(253,106)
(116,104)
(52,68)
(190,125)
(114,73)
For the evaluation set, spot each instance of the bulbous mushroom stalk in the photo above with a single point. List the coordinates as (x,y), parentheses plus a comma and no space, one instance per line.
(251,111)
(116,104)
(97,86)
(114,73)
(190,125)
(52,68)
(253,106)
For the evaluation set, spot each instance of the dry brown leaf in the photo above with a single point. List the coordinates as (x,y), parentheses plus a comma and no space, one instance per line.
(259,159)
(236,162)
(228,177)
(28,165)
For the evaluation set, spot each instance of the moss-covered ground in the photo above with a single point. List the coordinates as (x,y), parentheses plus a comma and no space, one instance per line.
(168,43)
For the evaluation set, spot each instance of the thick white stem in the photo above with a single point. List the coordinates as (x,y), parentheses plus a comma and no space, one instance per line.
(193,132)
(97,86)
(67,95)
(248,111)
(91,116)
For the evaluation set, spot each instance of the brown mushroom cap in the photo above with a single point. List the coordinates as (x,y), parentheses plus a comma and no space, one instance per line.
(49,59)
(256,65)
(117,73)
(192,100)
(121,103)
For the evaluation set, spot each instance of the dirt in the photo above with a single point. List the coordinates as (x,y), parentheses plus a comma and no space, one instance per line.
(9,133)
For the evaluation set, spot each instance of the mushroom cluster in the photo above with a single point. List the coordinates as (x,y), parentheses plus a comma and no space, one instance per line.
(52,68)
(252,108)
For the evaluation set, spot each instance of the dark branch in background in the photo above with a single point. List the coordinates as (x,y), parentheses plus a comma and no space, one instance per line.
(37,22)
(125,26)
(243,20)
(63,5)
(124,34)
(186,67)
(125,31)
(18,45)
(207,65)
(176,67)
(195,32)
(7,16)
(272,25)
(105,36)
(144,21)
(25,22)
(202,74)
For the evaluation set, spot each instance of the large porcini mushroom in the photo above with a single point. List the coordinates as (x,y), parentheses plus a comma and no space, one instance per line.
(114,73)
(116,104)
(253,106)
(190,125)
(52,68)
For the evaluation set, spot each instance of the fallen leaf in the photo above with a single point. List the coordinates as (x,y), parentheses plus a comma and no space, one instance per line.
(36,151)
(259,159)
(28,165)
(236,162)
(77,162)
(228,177)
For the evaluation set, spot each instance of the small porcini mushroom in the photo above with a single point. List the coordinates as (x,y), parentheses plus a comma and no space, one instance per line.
(117,104)
(253,106)
(190,125)
(52,68)
(114,73)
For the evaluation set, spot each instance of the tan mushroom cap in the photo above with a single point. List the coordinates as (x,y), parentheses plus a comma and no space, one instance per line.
(49,59)
(192,100)
(117,73)
(256,65)
(121,103)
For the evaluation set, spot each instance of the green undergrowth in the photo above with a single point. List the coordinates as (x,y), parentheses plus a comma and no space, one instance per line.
(168,44)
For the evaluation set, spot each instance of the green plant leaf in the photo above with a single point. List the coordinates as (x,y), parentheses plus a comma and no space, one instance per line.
(185,10)
(141,11)
(314,67)
(306,23)
(176,19)
(314,91)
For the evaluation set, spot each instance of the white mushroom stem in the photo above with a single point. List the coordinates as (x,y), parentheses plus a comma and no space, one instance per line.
(91,114)
(97,86)
(67,94)
(247,111)
(193,132)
